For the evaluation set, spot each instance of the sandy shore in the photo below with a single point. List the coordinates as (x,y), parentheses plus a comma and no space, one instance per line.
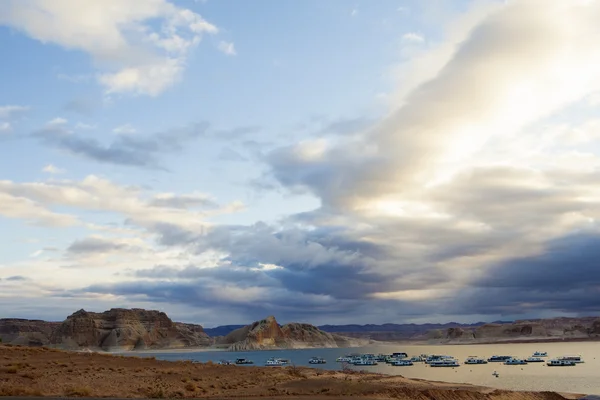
(46,372)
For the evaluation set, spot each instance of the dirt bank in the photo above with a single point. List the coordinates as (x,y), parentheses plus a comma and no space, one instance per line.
(44,372)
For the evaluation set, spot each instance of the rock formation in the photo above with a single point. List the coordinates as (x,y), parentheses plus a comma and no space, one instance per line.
(26,332)
(542,329)
(268,334)
(123,329)
(116,329)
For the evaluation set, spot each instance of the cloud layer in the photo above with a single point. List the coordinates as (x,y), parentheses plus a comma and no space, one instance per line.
(476,195)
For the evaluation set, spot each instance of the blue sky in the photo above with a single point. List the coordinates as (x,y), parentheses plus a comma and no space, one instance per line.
(323,161)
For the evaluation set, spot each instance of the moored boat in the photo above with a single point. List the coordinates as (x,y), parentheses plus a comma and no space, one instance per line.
(343,359)
(475,360)
(444,363)
(534,359)
(317,360)
(225,362)
(274,362)
(540,354)
(560,363)
(402,363)
(515,361)
(499,358)
(364,361)
(575,359)
(243,361)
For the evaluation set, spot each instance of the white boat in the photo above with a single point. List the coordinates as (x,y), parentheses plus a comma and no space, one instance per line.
(435,357)
(273,362)
(560,363)
(575,359)
(343,359)
(364,361)
(540,354)
(444,363)
(402,363)
(417,359)
(534,359)
(515,361)
(475,360)
(499,358)
(243,361)
(317,360)
(225,362)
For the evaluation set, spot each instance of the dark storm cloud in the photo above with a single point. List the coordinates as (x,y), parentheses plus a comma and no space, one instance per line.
(566,263)
(139,151)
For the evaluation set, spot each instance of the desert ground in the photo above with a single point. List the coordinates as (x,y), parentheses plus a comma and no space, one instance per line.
(38,371)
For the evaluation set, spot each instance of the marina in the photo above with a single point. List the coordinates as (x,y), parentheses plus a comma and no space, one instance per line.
(581,378)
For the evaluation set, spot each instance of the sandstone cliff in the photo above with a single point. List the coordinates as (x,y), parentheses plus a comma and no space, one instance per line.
(116,329)
(123,329)
(268,334)
(587,328)
(26,332)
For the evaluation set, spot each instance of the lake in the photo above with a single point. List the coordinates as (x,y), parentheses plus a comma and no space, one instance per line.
(582,378)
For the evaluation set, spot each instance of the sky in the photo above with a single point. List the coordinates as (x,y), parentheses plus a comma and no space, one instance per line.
(331,162)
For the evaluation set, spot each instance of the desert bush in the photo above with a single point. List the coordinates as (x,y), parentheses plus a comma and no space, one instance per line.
(9,370)
(19,391)
(78,391)
(294,371)
(190,387)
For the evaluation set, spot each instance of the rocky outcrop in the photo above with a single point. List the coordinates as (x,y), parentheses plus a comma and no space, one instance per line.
(268,334)
(526,330)
(116,329)
(26,332)
(126,329)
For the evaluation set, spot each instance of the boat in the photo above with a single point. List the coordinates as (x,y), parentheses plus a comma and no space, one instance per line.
(343,359)
(435,357)
(380,357)
(364,361)
(499,358)
(317,360)
(475,360)
(243,361)
(515,361)
(272,362)
(402,363)
(399,355)
(417,359)
(575,359)
(534,359)
(444,363)
(560,363)
(225,362)
(540,354)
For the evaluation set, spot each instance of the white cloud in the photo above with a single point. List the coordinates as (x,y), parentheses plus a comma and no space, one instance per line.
(5,126)
(354,12)
(7,112)
(133,53)
(413,37)
(227,48)
(57,121)
(124,129)
(52,169)
(82,126)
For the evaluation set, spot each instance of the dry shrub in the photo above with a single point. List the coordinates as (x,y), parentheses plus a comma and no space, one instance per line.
(9,370)
(190,387)
(78,391)
(19,391)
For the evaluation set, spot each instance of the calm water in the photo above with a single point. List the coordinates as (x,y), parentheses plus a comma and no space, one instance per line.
(582,378)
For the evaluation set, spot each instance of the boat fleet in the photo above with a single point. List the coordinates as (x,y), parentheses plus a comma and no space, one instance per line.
(402,359)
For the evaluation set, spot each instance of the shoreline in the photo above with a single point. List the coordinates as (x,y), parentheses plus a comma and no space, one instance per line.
(30,371)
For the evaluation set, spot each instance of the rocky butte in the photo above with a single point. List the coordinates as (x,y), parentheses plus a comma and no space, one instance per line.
(268,334)
(115,329)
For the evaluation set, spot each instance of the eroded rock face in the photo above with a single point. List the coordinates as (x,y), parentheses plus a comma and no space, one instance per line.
(126,329)
(26,332)
(267,334)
